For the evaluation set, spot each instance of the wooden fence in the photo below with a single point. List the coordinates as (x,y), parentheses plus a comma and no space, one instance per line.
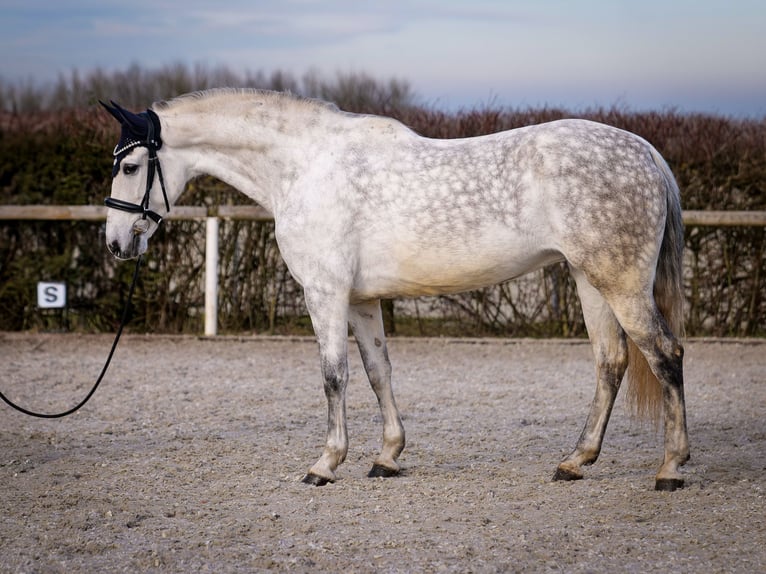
(212,216)
(257,213)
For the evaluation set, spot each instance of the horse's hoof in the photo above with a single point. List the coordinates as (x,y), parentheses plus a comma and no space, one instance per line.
(378,471)
(315,480)
(567,475)
(668,484)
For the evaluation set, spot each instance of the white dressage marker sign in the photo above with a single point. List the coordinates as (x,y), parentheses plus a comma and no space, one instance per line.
(51,295)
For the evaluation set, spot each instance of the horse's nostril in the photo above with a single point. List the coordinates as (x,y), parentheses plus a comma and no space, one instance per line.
(114,248)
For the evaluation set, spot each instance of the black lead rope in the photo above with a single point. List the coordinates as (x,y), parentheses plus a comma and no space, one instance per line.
(148,124)
(123,322)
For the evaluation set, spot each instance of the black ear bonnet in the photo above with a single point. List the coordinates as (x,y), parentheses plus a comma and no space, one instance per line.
(137,130)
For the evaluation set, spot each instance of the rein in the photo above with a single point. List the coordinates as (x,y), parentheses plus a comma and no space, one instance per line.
(123,322)
(152,142)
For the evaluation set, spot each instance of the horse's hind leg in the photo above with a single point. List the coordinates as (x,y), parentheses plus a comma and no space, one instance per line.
(611,355)
(367,323)
(647,328)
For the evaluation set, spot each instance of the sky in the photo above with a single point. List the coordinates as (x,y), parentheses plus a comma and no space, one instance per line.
(689,55)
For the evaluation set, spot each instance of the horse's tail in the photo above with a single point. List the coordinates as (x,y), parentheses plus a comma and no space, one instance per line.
(644,390)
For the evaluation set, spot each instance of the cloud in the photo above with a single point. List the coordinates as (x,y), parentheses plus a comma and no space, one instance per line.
(551,50)
(304,28)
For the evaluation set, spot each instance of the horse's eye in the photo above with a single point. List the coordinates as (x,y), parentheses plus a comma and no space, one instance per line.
(129,168)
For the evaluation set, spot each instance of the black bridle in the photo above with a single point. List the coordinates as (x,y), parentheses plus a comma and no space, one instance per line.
(152,142)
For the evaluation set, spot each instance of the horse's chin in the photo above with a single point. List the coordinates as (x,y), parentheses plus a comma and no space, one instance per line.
(136,247)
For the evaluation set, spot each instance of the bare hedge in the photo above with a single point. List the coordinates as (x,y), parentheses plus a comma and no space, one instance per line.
(55,149)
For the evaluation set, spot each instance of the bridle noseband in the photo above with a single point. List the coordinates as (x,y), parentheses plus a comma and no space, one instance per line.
(152,143)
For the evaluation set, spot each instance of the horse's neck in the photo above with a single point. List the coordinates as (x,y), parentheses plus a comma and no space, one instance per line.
(252,153)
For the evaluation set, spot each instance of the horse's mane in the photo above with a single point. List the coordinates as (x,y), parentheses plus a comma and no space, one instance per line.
(212,97)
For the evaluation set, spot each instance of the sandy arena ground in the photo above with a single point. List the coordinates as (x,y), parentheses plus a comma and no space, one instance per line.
(190,455)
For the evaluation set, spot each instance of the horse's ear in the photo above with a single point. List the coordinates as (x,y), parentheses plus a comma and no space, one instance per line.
(134,122)
(112,111)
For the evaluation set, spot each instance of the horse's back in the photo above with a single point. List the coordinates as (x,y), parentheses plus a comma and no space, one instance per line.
(453,215)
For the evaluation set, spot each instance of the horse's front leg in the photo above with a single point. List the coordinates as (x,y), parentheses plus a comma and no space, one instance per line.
(367,323)
(329,316)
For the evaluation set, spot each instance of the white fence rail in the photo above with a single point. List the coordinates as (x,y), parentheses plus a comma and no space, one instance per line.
(213,215)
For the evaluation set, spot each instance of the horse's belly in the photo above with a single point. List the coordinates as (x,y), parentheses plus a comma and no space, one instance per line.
(449,269)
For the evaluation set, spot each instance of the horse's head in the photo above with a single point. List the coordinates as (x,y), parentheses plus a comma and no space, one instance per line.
(139,196)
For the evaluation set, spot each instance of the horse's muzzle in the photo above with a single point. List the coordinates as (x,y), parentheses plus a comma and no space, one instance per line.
(133,250)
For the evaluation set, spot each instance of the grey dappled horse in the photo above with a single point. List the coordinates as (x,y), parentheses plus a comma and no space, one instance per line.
(365,209)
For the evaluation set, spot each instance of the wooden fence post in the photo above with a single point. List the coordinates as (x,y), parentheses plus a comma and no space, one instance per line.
(211,276)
